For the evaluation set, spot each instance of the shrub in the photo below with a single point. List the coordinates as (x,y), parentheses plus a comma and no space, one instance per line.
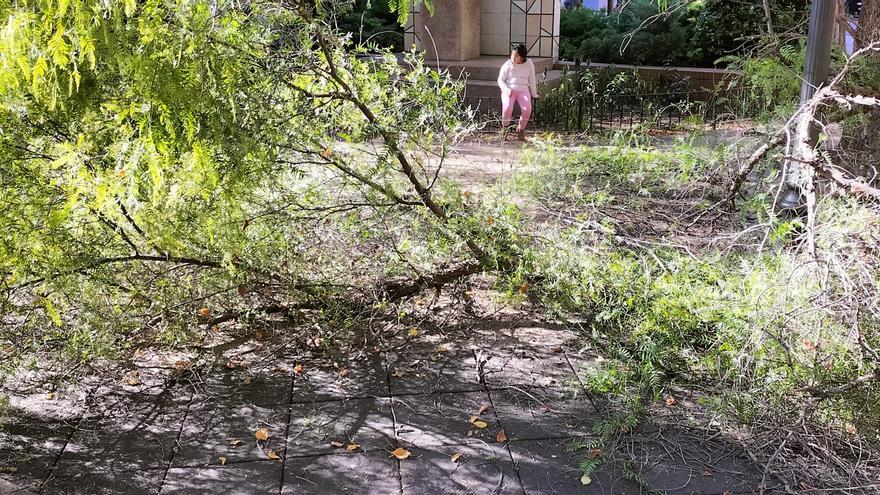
(373,21)
(696,35)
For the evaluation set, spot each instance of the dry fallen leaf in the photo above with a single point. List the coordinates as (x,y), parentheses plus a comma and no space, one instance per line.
(480,424)
(851,429)
(205,313)
(501,437)
(298,369)
(222,461)
(343,372)
(594,453)
(248,380)
(234,442)
(401,453)
(441,348)
(585,479)
(272,455)
(397,373)
(455,457)
(336,444)
(706,472)
(490,221)
(352,447)
(413,332)
(524,288)
(483,408)
(327,153)
(556,349)
(50,396)
(262,434)
(670,400)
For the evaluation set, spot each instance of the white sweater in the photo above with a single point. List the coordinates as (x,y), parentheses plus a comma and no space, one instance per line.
(518,77)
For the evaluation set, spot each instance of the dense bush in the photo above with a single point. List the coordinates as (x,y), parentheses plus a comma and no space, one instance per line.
(770,328)
(697,35)
(373,22)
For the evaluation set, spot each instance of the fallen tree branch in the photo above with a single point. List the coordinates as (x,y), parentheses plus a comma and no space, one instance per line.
(746,168)
(399,290)
(846,387)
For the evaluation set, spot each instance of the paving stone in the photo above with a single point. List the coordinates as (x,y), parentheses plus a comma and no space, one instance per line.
(443,419)
(536,336)
(231,479)
(525,368)
(245,387)
(351,379)
(430,372)
(29,446)
(546,467)
(140,434)
(481,469)
(64,402)
(357,473)
(539,413)
(366,422)
(9,488)
(106,483)
(211,428)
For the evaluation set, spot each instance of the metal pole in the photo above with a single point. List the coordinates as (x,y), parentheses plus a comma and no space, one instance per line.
(820,36)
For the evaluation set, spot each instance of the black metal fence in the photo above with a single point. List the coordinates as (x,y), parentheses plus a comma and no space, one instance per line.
(584,112)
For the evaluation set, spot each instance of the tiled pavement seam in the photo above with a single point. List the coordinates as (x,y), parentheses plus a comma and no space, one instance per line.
(393,421)
(287,432)
(79,422)
(501,422)
(176,446)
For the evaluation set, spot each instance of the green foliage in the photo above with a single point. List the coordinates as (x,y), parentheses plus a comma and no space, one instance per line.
(598,37)
(696,34)
(717,27)
(593,174)
(167,156)
(372,22)
(750,324)
(402,7)
(773,80)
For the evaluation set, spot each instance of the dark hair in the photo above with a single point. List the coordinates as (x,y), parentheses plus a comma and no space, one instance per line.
(522,52)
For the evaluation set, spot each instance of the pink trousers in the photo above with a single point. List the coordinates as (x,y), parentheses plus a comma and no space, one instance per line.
(525,107)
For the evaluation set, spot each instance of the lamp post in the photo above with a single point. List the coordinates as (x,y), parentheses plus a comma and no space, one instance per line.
(817,64)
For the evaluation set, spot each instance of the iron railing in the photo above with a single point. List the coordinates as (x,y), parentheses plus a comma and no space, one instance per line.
(588,112)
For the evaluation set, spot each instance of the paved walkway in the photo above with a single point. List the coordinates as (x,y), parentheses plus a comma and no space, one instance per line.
(494,410)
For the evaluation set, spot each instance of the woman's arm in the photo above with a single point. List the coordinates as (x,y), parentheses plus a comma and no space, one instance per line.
(502,77)
(533,81)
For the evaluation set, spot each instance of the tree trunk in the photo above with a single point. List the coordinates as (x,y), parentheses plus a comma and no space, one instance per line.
(868,30)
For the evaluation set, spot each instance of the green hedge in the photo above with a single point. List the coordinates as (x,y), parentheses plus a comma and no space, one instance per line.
(374,21)
(697,35)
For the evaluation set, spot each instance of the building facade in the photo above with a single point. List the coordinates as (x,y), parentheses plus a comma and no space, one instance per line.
(468,29)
